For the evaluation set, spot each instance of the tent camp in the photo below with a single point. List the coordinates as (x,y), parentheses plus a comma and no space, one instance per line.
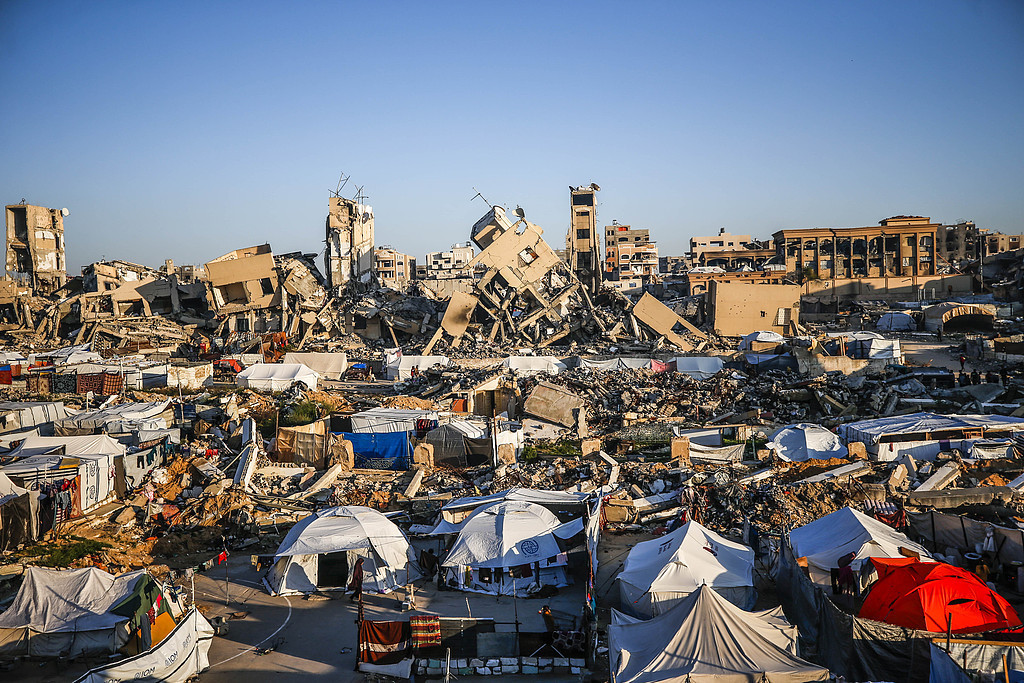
(924,435)
(117,419)
(845,531)
(934,596)
(896,321)
(509,547)
(382,419)
(698,367)
(532,365)
(89,462)
(26,414)
(327,365)
(74,612)
(706,639)
(801,442)
(319,551)
(660,572)
(276,376)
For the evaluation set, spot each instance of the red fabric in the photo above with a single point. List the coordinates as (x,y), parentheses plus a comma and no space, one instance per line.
(223,557)
(384,642)
(916,594)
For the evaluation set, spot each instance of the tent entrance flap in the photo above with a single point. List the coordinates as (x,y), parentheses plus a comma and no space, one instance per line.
(332,571)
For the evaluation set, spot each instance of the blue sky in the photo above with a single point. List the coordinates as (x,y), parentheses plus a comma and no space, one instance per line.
(186,129)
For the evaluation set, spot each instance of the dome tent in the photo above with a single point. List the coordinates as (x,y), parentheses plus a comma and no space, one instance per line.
(801,442)
(318,552)
(509,547)
(661,572)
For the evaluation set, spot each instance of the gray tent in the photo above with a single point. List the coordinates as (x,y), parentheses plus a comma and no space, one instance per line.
(707,639)
(453,447)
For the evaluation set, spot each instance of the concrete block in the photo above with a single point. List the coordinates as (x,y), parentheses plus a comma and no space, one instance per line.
(589,446)
(493,663)
(577,662)
(545,661)
(476,663)
(574,669)
(898,476)
(434,671)
(857,450)
(943,478)
(562,661)
(530,669)
(530,661)
(433,663)
(513,669)
(680,449)
(509,661)
(483,671)
(423,455)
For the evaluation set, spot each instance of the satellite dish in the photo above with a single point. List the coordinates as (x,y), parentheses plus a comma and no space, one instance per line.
(65,212)
(520,212)
(595,187)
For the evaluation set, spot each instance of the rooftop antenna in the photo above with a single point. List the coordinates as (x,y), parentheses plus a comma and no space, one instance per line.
(342,181)
(481,196)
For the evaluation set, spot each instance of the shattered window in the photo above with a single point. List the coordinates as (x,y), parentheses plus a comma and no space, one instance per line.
(266,286)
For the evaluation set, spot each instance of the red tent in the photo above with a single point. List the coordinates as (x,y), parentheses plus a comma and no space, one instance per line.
(918,595)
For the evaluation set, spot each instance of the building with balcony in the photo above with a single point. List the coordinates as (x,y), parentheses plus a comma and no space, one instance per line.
(444,265)
(393,268)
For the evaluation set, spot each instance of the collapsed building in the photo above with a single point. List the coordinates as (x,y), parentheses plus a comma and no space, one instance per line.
(350,253)
(35,246)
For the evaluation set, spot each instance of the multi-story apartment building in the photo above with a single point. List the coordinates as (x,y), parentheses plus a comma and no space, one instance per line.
(723,241)
(583,243)
(393,268)
(454,263)
(898,246)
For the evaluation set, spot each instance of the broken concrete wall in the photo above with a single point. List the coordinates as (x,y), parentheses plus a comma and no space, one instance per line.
(35,246)
(554,404)
(739,308)
(349,242)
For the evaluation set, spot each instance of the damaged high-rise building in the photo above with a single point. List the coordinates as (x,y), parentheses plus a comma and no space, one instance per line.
(35,246)
(349,253)
(582,243)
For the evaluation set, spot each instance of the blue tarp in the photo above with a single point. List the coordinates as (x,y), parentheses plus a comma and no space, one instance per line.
(380,451)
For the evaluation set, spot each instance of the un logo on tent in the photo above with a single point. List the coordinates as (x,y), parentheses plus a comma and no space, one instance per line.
(529,547)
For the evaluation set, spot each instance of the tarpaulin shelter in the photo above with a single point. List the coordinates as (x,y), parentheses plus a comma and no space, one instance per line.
(532,365)
(383,451)
(717,455)
(75,612)
(896,321)
(390,419)
(801,442)
(319,552)
(698,367)
(70,355)
(941,316)
(824,541)
(705,638)
(304,444)
(117,419)
(763,336)
(19,514)
(509,547)
(770,361)
(29,414)
(661,572)
(923,595)
(276,376)
(452,447)
(327,365)
(94,462)
(923,435)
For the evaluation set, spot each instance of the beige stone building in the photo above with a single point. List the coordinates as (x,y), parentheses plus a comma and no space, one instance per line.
(739,308)
(35,246)
(583,243)
(349,252)
(393,268)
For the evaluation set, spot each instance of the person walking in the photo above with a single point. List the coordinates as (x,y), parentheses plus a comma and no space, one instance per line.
(356,583)
(963,362)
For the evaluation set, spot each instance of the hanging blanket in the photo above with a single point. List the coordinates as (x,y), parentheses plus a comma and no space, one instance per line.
(383,642)
(426,631)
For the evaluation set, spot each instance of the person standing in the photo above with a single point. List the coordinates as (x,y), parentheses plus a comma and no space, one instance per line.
(963,362)
(356,583)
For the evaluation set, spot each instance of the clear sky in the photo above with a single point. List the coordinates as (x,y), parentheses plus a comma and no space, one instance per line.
(186,129)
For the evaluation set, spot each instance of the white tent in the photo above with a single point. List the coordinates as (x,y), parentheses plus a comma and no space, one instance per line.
(319,552)
(660,572)
(761,336)
(532,365)
(70,355)
(378,420)
(34,413)
(896,321)
(800,442)
(276,376)
(400,367)
(327,365)
(824,541)
(53,458)
(705,639)
(67,613)
(698,367)
(454,513)
(506,535)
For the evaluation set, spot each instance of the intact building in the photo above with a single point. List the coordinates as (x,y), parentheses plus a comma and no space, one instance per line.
(583,243)
(35,246)
(723,241)
(454,263)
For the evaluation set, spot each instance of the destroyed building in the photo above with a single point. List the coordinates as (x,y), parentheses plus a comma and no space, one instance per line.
(103,276)
(583,243)
(35,246)
(350,253)
(244,288)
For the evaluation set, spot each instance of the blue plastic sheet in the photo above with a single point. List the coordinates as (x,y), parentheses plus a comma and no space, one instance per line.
(380,451)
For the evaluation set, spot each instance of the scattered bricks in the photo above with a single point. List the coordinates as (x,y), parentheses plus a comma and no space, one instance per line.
(423,455)
(680,450)
(857,450)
